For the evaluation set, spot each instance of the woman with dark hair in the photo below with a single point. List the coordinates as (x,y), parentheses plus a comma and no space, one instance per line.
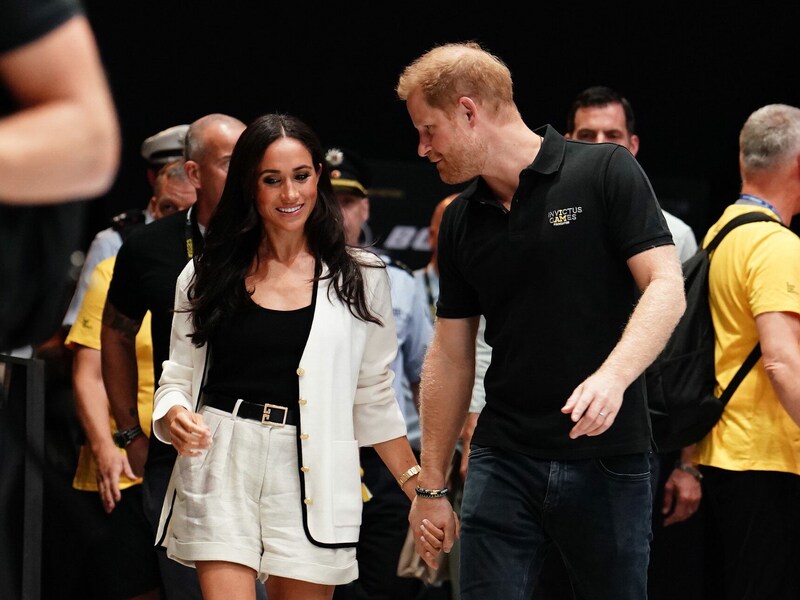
(278,371)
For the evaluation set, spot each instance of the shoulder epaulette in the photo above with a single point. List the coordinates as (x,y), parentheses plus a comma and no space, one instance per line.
(393,262)
(125,222)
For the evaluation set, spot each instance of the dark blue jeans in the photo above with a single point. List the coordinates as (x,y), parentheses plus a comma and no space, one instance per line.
(597,512)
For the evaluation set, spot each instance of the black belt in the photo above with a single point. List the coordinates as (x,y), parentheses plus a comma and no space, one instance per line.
(263,413)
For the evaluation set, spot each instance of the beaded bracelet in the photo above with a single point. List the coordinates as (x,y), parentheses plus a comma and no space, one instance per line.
(401,481)
(427,493)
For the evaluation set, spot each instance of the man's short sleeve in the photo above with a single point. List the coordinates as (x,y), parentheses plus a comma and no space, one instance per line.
(773,276)
(457,299)
(635,217)
(89,320)
(124,294)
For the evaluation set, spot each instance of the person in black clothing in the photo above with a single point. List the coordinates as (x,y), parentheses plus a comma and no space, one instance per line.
(562,246)
(145,272)
(59,146)
(59,142)
(279,369)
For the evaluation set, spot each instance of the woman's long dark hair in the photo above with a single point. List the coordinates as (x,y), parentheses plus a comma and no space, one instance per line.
(235,232)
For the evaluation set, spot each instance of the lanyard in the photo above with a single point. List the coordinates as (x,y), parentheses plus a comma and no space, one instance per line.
(750,199)
(189,234)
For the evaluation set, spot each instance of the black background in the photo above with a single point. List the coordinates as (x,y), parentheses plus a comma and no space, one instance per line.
(692,72)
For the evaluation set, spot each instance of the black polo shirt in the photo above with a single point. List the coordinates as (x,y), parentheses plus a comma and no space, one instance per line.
(551,278)
(145,273)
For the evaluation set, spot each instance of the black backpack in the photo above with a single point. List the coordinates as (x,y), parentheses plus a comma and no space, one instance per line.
(681,381)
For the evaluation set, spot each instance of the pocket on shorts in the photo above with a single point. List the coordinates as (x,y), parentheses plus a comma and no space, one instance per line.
(202,474)
(626,467)
(347,502)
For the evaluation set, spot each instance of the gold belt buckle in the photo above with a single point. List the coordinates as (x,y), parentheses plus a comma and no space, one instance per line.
(268,411)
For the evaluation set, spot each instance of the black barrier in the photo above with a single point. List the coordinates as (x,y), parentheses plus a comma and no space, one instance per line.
(21,476)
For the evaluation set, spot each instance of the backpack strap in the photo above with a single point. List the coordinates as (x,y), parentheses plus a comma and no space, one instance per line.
(755,353)
(751,217)
(748,364)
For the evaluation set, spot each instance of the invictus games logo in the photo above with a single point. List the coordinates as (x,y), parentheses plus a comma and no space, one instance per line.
(564,216)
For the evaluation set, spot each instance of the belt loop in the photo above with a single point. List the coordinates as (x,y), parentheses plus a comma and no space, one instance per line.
(236,406)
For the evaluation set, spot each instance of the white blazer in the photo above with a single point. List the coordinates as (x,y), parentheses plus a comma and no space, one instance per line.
(346,400)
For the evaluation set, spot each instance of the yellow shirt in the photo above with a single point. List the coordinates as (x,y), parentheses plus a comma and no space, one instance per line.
(86,331)
(755,270)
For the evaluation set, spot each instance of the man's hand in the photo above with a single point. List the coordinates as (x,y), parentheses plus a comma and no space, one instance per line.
(111,464)
(435,526)
(136,453)
(682,494)
(594,405)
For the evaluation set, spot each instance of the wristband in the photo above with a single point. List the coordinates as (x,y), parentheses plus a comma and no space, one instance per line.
(428,493)
(401,481)
(687,468)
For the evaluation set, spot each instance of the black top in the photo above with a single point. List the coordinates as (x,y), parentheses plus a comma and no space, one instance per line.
(145,273)
(35,242)
(551,278)
(256,354)
(22,21)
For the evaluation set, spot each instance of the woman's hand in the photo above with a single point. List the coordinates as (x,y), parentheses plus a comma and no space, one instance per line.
(188,433)
(432,540)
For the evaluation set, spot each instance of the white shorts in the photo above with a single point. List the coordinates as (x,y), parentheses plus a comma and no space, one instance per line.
(240,502)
